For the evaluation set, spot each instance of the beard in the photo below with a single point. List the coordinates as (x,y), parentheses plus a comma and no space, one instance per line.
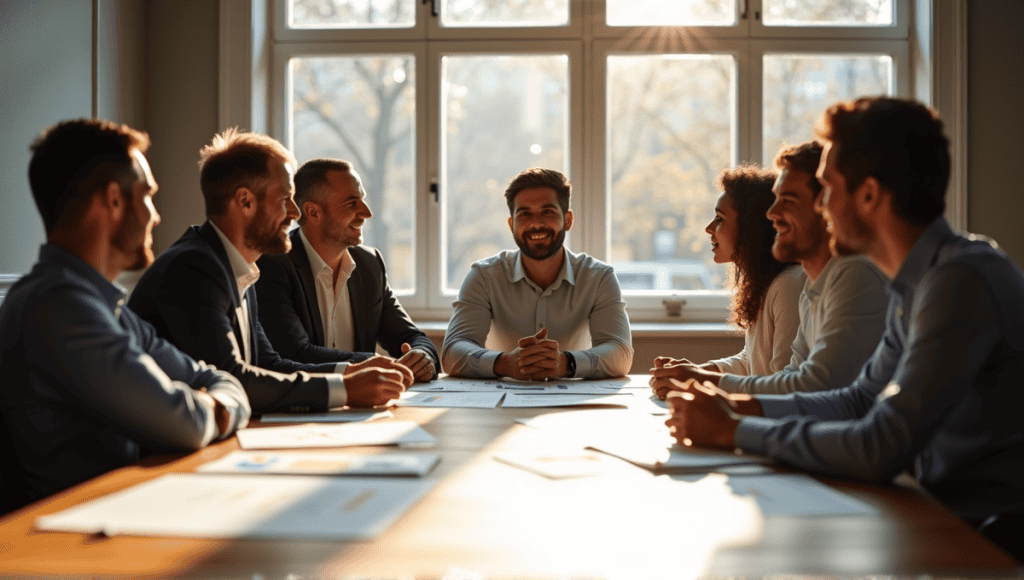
(795,250)
(265,236)
(134,238)
(858,233)
(542,252)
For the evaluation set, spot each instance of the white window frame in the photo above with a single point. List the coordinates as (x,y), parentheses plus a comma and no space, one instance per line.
(928,46)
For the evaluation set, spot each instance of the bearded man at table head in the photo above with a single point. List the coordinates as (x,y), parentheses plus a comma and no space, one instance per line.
(541,312)
(88,385)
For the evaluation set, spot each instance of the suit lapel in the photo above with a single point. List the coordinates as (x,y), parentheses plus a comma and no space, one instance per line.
(209,235)
(305,272)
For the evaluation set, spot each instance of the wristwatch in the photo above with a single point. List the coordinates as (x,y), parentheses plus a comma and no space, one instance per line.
(570,365)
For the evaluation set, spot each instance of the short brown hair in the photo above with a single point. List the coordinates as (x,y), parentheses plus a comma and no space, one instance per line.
(535,178)
(73,159)
(749,188)
(900,143)
(235,159)
(311,179)
(803,157)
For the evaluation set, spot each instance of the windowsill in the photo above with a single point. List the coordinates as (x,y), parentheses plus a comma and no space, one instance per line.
(640,330)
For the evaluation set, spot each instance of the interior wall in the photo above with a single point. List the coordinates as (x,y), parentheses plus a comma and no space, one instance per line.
(180,107)
(995,127)
(46,75)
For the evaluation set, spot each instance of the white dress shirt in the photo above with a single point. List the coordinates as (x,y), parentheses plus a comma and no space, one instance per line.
(333,298)
(246,275)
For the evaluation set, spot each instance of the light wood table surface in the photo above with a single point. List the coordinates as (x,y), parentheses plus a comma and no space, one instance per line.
(484,519)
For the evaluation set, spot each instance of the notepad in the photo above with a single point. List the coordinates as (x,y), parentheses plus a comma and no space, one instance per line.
(245,506)
(323,463)
(346,435)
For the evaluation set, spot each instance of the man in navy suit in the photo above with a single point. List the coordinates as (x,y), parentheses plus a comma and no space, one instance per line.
(199,294)
(330,295)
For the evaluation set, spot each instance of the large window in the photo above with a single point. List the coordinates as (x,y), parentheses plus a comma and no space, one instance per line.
(641,103)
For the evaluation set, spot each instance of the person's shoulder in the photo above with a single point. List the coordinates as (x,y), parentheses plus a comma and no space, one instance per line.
(362,254)
(53,289)
(504,260)
(980,255)
(583,262)
(856,269)
(789,282)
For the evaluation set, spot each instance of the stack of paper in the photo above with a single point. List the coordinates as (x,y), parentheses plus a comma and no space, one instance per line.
(241,506)
(347,435)
(323,463)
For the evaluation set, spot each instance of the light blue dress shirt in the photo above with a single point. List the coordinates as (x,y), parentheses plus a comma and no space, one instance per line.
(498,304)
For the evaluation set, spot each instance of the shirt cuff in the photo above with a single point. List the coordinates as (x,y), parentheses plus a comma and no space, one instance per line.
(584,363)
(778,406)
(729,383)
(750,434)
(337,396)
(340,368)
(238,414)
(484,365)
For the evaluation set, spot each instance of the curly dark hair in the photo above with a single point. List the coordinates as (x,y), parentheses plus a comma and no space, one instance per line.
(749,189)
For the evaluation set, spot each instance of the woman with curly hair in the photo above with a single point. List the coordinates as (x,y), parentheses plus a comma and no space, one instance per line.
(766,292)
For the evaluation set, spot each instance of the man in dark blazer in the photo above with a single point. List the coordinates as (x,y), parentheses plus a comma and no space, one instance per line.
(199,294)
(330,295)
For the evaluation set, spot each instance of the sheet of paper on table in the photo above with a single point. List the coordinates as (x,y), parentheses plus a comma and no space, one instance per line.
(245,506)
(332,416)
(513,400)
(794,494)
(471,400)
(657,450)
(346,435)
(557,463)
(651,405)
(571,387)
(323,463)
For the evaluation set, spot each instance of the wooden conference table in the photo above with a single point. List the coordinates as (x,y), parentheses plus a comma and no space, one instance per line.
(485,519)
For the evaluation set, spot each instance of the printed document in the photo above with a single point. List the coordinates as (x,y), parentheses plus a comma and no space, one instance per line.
(245,506)
(323,463)
(547,400)
(345,435)
(474,400)
(332,416)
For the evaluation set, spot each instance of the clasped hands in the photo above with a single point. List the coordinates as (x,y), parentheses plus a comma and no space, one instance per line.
(536,359)
(703,415)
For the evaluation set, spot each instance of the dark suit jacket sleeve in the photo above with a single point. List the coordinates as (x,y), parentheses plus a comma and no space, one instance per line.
(284,315)
(378,307)
(184,296)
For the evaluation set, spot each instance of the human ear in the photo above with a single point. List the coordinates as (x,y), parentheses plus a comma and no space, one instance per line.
(568,219)
(246,200)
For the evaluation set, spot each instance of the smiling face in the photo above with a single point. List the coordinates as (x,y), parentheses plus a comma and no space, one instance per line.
(850,233)
(724,230)
(537,223)
(267,232)
(799,228)
(345,209)
(135,236)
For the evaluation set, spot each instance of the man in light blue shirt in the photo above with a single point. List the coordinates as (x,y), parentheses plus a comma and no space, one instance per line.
(842,306)
(542,312)
(941,394)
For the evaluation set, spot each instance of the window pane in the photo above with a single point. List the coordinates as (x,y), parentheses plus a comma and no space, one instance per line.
(362,109)
(671,122)
(501,13)
(828,13)
(798,87)
(500,115)
(352,13)
(671,12)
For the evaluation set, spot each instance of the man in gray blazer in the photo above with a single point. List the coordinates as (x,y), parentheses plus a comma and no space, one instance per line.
(329,295)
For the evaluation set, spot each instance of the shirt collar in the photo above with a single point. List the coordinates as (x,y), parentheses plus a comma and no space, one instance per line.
(922,255)
(317,264)
(817,286)
(519,272)
(112,293)
(245,274)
